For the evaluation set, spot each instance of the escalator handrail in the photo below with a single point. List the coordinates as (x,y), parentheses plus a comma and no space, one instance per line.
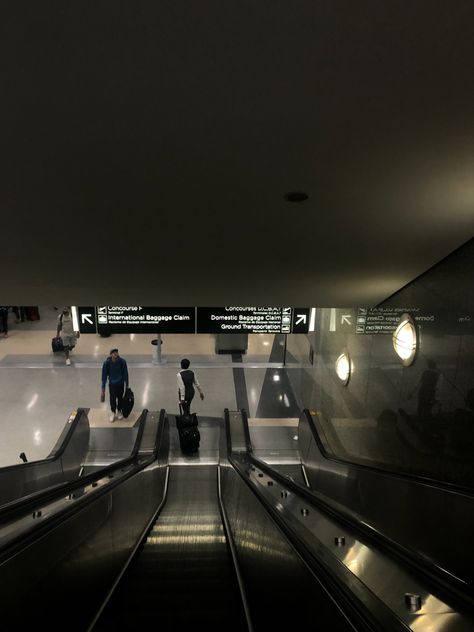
(227,432)
(54,454)
(435,574)
(416,478)
(248,440)
(428,568)
(30,503)
(363,613)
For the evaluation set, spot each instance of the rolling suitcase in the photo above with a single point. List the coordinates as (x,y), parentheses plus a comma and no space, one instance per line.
(57,344)
(189,435)
(127,402)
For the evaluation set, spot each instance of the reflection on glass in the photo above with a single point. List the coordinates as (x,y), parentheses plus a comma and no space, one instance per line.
(343,368)
(404,340)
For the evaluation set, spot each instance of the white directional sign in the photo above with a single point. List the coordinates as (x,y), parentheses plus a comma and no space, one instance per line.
(87,318)
(346,319)
(301,318)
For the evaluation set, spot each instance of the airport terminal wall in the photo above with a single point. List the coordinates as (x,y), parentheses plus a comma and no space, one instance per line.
(386,416)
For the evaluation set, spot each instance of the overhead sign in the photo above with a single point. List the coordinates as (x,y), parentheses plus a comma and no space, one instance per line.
(301,317)
(117,319)
(87,320)
(252,320)
(385,320)
(109,319)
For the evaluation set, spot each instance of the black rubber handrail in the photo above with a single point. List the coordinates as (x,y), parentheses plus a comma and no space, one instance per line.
(454,587)
(416,478)
(34,533)
(227,432)
(364,614)
(30,503)
(248,440)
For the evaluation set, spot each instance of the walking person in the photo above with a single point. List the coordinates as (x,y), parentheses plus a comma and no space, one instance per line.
(186,383)
(66,331)
(20,313)
(4,320)
(115,370)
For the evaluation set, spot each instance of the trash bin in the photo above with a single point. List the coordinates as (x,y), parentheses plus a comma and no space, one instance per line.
(231,343)
(156,352)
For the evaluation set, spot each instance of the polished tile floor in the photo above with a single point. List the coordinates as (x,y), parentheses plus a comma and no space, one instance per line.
(38,391)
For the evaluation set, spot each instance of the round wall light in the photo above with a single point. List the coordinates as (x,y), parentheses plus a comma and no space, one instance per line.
(343,368)
(405,340)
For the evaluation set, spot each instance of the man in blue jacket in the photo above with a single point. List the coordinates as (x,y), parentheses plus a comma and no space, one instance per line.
(115,369)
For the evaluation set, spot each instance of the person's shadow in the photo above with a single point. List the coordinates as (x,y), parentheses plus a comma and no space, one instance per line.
(427,391)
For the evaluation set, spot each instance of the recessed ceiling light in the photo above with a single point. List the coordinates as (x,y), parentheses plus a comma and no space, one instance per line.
(296,196)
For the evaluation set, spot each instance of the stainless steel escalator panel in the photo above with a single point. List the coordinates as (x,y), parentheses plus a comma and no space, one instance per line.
(184,575)
(276,444)
(384,577)
(109,445)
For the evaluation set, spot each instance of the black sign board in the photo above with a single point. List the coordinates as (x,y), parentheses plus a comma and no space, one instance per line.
(385,320)
(116,319)
(300,323)
(252,320)
(109,319)
(87,320)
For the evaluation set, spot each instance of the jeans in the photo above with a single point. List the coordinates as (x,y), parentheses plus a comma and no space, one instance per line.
(116,394)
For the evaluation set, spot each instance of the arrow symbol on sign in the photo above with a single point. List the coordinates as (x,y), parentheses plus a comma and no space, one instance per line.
(301,319)
(87,318)
(346,319)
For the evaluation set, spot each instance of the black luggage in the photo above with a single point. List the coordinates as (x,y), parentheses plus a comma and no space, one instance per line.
(32,313)
(57,344)
(127,402)
(189,436)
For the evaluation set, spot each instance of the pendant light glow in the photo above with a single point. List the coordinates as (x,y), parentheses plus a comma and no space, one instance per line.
(405,340)
(343,368)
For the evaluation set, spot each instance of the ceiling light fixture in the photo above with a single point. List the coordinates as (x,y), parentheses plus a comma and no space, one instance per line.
(296,196)
(405,340)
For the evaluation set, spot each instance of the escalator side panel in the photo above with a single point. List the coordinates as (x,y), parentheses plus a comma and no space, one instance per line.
(281,590)
(81,556)
(184,576)
(418,516)
(63,464)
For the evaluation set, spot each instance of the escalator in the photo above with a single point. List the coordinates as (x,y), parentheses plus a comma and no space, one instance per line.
(232,543)
(353,515)
(79,450)
(214,558)
(184,574)
(146,543)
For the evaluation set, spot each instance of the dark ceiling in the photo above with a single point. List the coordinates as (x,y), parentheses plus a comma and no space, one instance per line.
(147,146)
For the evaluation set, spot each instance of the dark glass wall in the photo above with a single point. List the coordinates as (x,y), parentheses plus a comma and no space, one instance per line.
(416,419)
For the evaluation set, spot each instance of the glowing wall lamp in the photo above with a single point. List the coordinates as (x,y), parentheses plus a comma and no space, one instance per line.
(343,368)
(405,340)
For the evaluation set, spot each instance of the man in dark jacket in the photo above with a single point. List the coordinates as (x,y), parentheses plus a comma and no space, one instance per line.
(186,383)
(115,369)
